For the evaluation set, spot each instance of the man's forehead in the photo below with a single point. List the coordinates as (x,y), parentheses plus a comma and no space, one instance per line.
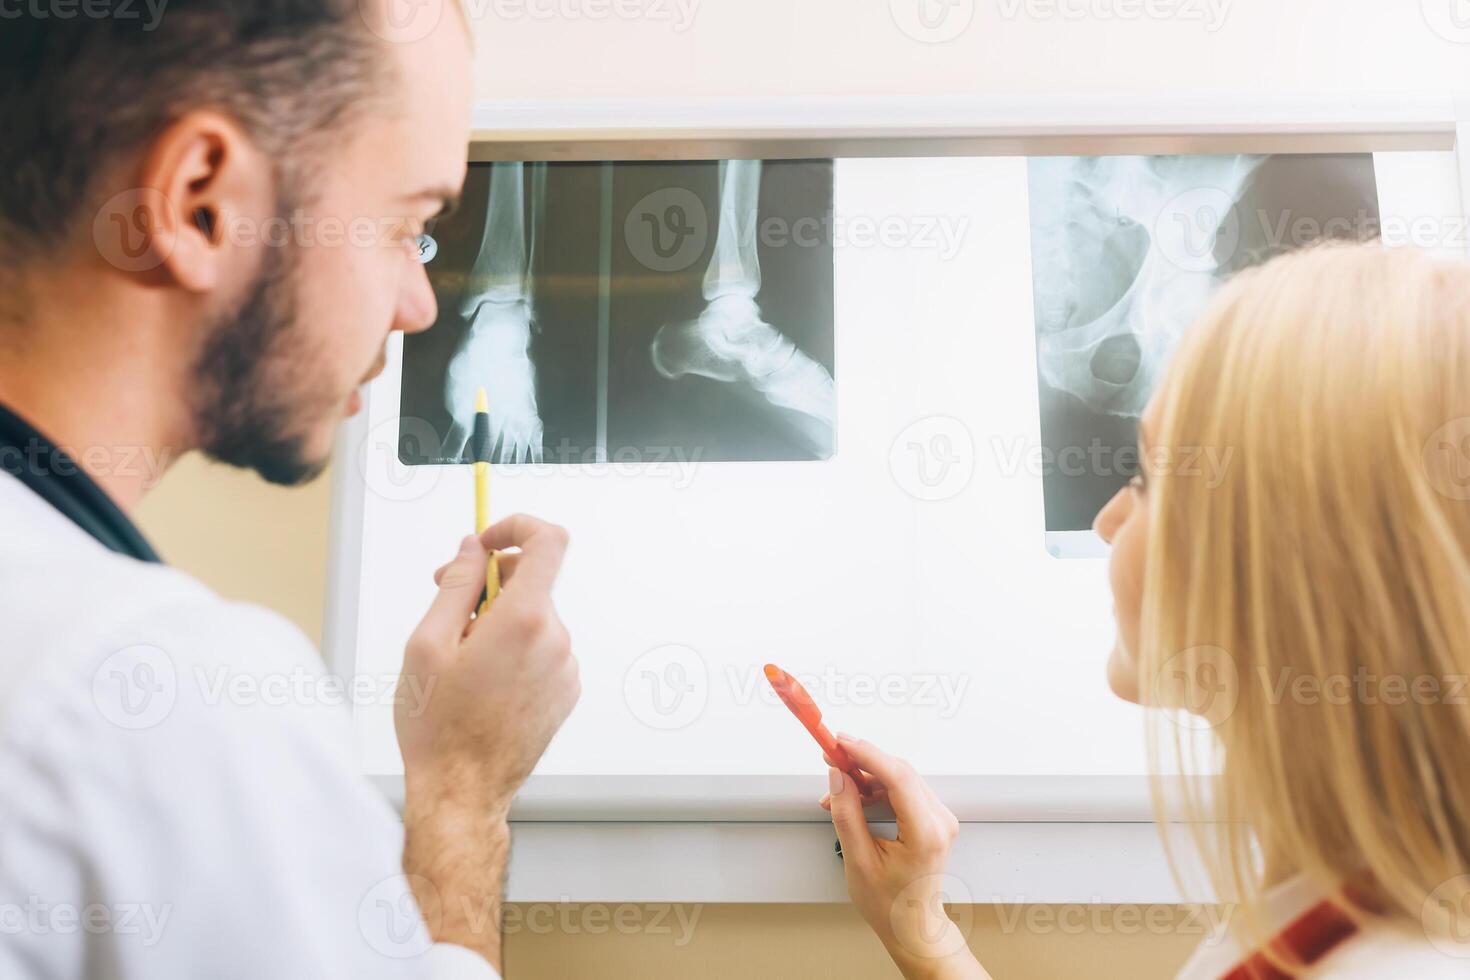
(426,123)
(406,20)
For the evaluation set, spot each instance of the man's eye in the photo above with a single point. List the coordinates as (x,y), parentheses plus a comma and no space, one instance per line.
(424,248)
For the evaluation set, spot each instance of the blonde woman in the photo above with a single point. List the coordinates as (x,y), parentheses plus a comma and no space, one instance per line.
(1312,611)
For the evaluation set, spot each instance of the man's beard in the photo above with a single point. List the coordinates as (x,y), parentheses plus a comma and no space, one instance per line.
(252,398)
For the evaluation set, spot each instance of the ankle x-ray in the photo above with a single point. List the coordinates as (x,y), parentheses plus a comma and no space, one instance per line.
(630,312)
(1126,251)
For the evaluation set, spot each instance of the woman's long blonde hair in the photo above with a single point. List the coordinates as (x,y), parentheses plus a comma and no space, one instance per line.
(1335,383)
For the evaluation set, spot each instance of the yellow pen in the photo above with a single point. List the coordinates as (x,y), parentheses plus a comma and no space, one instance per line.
(480,450)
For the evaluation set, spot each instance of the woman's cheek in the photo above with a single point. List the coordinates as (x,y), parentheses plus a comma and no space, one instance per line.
(1123,672)
(1126,576)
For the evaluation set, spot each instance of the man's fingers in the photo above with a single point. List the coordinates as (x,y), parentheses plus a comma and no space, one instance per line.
(460,583)
(512,532)
(847,818)
(506,560)
(542,548)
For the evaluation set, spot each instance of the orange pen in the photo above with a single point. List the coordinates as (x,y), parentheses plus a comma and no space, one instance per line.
(795,697)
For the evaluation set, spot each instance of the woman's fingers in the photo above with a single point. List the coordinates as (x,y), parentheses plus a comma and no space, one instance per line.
(875,785)
(876,796)
(906,791)
(847,818)
(896,884)
(922,819)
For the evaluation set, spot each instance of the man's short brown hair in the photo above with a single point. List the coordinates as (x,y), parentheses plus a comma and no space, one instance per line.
(84,86)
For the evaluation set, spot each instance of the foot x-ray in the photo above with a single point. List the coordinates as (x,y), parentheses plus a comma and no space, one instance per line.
(1126,251)
(629,312)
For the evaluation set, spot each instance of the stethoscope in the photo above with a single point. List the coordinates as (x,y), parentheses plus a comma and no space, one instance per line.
(59,480)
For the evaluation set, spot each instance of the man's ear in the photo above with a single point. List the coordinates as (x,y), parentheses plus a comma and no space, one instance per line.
(206,191)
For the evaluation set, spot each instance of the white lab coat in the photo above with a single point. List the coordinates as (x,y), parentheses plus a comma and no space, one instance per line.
(170,806)
(1374,953)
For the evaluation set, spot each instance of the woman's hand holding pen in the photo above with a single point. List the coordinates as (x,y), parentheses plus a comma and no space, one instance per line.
(897,885)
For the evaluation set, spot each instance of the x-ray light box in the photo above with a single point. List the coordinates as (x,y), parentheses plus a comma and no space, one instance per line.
(848,411)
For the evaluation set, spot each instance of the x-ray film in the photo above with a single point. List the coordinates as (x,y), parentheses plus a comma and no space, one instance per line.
(1126,251)
(627,313)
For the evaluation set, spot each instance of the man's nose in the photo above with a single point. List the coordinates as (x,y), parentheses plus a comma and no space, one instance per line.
(417,307)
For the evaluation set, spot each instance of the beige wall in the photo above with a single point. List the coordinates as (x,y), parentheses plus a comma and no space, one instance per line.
(741,942)
(1010,48)
(243,537)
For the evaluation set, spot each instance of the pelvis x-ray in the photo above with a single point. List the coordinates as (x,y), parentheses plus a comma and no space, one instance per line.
(629,312)
(1126,251)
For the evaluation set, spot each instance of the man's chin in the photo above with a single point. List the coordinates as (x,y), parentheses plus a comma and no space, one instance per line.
(292,474)
(293,460)
(284,462)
